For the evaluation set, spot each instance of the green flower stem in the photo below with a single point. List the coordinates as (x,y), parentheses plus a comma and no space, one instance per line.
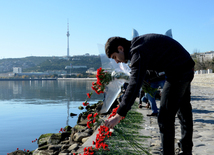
(133,143)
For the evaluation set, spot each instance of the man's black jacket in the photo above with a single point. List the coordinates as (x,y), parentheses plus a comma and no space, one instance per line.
(154,52)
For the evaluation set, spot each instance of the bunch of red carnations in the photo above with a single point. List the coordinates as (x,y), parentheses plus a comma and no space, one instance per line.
(99,142)
(92,119)
(103,79)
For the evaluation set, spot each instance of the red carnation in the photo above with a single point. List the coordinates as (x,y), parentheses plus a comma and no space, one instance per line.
(99,71)
(94,120)
(89,124)
(85,103)
(89,95)
(99,82)
(96,114)
(89,116)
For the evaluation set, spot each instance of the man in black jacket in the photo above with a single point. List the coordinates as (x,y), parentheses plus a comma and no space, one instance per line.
(160,53)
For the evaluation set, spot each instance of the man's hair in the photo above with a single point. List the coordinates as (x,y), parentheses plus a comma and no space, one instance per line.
(112,44)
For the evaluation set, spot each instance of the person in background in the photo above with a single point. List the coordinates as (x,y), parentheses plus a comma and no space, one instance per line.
(144,98)
(160,53)
(156,80)
(124,87)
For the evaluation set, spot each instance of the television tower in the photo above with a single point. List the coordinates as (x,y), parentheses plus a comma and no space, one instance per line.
(68,34)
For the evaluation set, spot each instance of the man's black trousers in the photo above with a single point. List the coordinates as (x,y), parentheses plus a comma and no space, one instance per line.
(175,99)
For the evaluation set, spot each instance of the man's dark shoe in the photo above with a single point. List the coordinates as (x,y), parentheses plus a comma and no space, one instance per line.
(182,153)
(152,114)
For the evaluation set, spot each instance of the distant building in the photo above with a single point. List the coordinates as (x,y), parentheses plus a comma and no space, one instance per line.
(17,70)
(207,56)
(91,71)
(72,67)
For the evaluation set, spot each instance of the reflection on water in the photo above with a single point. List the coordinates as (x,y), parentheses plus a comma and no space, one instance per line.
(33,108)
(52,90)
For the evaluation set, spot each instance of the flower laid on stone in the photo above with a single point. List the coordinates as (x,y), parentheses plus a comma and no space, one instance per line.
(104,132)
(85,103)
(96,115)
(88,151)
(92,119)
(90,116)
(89,124)
(24,150)
(100,138)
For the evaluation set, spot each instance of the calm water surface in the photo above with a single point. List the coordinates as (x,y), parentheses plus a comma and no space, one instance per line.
(31,108)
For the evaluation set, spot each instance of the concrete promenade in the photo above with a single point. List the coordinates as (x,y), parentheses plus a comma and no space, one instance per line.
(202,99)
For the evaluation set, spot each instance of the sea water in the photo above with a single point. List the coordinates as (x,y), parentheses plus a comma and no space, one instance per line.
(31,108)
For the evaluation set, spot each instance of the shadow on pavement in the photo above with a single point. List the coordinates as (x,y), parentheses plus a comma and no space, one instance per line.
(204,121)
(197,98)
(201,111)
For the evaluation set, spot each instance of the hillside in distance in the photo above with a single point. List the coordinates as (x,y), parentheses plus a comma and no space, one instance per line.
(41,64)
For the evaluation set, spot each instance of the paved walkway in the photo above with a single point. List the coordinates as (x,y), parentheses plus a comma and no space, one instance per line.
(203,116)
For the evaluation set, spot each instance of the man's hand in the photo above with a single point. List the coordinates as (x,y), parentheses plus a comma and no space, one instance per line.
(140,106)
(110,123)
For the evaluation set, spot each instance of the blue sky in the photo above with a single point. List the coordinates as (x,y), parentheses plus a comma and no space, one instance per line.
(39,27)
